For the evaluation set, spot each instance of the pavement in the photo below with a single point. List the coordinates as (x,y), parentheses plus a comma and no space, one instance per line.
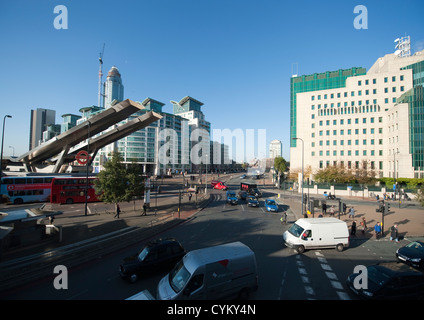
(81,233)
(409,217)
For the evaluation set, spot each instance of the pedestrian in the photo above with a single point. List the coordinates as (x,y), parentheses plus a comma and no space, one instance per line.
(189,196)
(377,229)
(363,225)
(144,209)
(284,218)
(353,228)
(332,211)
(352,212)
(394,233)
(118,210)
(324,208)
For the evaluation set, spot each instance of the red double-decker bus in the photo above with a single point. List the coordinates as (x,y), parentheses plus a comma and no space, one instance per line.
(72,190)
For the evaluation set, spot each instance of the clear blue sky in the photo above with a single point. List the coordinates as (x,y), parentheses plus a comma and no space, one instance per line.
(235,56)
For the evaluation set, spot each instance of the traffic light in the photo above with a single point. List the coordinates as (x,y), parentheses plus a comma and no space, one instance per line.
(387,207)
(380,207)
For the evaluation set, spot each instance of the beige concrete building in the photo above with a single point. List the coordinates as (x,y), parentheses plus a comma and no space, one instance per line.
(372,119)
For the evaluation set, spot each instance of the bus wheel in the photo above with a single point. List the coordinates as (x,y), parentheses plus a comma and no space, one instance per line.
(18,201)
(69,201)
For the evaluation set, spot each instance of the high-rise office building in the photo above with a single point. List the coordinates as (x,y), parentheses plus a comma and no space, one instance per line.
(40,119)
(275,149)
(190,109)
(361,120)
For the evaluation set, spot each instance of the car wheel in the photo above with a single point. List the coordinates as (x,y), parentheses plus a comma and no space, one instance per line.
(340,247)
(133,278)
(300,249)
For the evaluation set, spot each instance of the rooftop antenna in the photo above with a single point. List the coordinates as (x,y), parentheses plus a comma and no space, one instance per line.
(403,47)
(100,76)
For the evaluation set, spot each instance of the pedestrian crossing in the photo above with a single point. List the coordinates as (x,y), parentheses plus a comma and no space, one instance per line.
(317,279)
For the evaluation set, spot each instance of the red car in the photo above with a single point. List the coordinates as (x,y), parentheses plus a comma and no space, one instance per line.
(218,185)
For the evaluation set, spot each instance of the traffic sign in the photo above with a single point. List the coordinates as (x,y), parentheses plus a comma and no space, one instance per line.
(82,157)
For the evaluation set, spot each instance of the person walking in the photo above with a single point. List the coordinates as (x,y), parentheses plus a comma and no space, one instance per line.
(332,211)
(353,229)
(394,233)
(377,229)
(324,208)
(118,211)
(144,209)
(363,225)
(283,218)
(352,212)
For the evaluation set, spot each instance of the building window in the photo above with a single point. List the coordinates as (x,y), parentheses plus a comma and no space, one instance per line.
(393,79)
(401,78)
(385,79)
(374,81)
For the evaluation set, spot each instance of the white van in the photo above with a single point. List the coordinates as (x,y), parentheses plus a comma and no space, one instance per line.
(218,272)
(317,233)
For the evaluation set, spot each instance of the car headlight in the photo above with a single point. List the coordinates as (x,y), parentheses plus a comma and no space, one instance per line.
(416,260)
(367,293)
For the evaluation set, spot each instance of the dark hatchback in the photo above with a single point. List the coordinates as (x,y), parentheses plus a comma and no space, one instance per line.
(412,254)
(156,256)
(390,280)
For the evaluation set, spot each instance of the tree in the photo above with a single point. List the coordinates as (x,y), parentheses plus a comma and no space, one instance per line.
(280,165)
(419,195)
(116,183)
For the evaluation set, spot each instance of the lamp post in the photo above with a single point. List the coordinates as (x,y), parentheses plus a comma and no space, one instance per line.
(302,169)
(86,168)
(1,152)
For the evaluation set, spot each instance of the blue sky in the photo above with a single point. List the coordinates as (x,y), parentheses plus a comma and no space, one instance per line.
(235,56)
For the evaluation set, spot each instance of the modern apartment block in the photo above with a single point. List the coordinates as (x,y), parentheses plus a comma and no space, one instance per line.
(360,119)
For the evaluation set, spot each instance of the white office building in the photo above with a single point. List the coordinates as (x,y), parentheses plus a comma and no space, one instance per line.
(361,119)
(275,149)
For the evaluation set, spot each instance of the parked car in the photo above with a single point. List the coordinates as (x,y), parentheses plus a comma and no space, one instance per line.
(271,205)
(412,254)
(389,280)
(252,201)
(158,255)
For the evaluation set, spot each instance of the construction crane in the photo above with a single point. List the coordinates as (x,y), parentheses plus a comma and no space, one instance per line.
(100,76)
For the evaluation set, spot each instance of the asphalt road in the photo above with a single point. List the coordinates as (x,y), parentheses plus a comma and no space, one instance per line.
(283,274)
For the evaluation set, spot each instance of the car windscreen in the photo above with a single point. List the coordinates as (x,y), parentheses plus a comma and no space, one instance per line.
(179,276)
(296,230)
(143,253)
(416,245)
(377,275)
(270,202)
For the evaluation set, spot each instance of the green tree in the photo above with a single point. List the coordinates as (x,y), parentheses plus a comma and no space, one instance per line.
(419,195)
(280,165)
(116,183)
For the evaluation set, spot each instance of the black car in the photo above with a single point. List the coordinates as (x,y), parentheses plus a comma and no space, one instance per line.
(389,280)
(255,192)
(156,256)
(412,254)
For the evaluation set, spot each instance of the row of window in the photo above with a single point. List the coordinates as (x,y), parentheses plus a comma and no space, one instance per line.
(348,131)
(352,93)
(349,153)
(349,142)
(353,164)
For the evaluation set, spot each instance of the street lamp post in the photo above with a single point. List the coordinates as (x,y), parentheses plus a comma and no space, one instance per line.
(1,152)
(303,147)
